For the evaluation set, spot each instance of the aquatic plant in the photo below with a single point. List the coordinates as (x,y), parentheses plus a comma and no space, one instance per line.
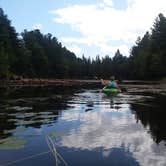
(12,143)
(52,145)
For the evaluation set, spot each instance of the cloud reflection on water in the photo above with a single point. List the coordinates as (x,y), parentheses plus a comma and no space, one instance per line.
(111,128)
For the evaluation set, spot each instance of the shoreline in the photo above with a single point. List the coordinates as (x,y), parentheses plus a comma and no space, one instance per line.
(83,83)
(129,86)
(35,82)
(48,82)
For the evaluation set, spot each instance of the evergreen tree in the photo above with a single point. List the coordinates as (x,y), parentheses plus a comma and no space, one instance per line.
(38,55)
(4,65)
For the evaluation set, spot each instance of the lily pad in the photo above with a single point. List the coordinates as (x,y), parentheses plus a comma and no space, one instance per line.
(18,108)
(54,134)
(20,129)
(12,143)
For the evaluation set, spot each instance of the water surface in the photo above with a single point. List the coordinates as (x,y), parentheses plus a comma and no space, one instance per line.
(87,127)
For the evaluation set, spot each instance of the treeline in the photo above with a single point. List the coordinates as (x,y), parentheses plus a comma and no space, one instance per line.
(148,56)
(33,54)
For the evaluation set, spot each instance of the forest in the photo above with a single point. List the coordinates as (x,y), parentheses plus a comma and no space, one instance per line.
(32,54)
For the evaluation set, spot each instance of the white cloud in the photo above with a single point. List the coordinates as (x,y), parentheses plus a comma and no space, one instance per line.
(75,49)
(37,26)
(106,49)
(106,3)
(101,23)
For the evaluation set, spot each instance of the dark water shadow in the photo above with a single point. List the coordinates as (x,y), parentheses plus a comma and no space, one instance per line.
(31,107)
(152,114)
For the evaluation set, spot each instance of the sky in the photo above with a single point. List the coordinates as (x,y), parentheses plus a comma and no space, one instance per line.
(89,27)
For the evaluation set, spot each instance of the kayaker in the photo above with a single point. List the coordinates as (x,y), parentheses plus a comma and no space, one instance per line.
(110,84)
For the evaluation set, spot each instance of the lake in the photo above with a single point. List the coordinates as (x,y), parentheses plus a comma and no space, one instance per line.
(83,126)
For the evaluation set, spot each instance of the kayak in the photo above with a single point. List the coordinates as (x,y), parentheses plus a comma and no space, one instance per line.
(111,90)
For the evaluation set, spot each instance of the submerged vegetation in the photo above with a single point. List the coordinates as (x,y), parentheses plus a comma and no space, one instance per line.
(32,54)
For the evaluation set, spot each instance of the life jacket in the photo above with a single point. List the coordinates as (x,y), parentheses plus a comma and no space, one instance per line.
(112,84)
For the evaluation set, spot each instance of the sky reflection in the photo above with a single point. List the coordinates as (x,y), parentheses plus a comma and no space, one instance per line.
(110,128)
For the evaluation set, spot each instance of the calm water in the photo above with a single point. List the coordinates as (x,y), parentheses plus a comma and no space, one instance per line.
(87,127)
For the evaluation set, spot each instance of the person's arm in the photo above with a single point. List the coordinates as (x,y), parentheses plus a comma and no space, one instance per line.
(104,83)
(116,81)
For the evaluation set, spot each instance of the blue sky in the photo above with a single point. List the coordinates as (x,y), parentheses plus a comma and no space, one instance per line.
(88,27)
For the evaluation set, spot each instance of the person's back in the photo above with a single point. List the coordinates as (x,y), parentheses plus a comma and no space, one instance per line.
(112,84)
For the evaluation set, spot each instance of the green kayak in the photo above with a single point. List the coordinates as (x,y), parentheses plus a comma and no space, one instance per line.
(111,90)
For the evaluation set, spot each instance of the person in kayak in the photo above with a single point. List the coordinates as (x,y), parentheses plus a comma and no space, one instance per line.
(110,84)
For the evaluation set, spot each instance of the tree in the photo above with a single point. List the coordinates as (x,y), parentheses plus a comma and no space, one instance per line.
(41,55)
(4,65)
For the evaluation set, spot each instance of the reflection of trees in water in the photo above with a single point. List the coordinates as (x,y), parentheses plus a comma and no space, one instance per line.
(153,118)
(5,125)
(25,119)
(29,112)
(31,92)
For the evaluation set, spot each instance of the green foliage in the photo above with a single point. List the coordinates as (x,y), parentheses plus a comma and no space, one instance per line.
(149,54)
(34,54)
(12,143)
(4,66)
(9,45)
